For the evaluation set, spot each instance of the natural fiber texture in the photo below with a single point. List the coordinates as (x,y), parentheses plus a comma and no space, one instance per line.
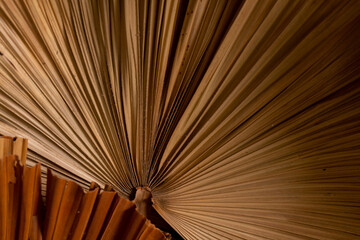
(71,213)
(243,118)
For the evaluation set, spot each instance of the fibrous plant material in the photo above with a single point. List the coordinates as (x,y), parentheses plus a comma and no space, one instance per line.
(70,213)
(242,117)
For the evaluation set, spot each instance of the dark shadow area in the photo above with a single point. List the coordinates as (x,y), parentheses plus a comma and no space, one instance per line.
(157,220)
(160,223)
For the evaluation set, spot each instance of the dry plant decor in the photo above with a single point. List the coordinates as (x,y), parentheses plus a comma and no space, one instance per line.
(241,117)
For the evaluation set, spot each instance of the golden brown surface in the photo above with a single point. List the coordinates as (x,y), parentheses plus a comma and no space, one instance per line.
(69,212)
(243,117)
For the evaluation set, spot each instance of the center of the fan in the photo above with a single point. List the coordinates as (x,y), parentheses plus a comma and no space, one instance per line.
(143,200)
